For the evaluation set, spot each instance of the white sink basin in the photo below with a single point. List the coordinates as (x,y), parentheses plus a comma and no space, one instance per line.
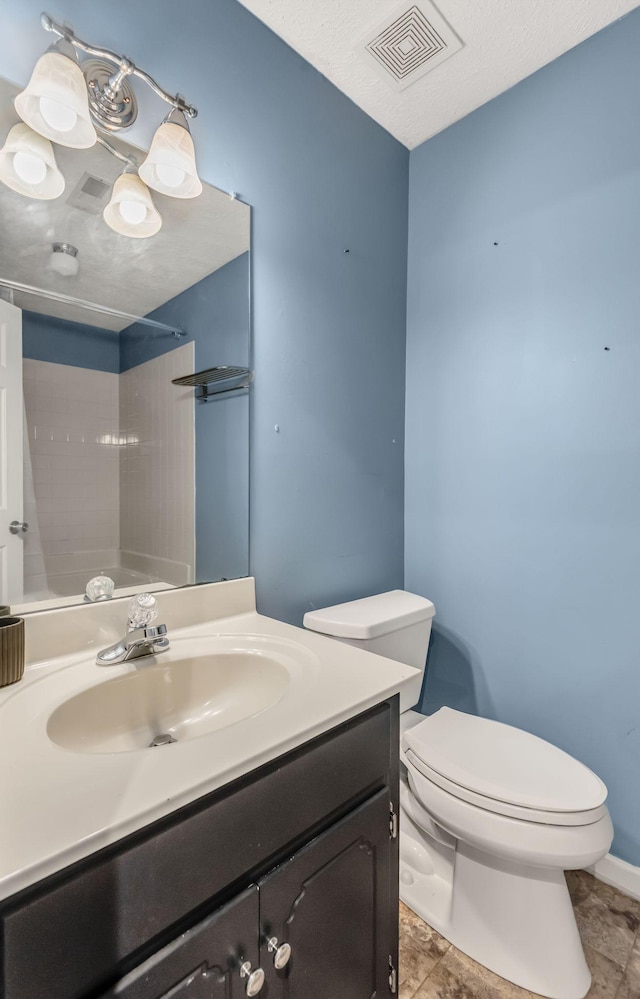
(236,689)
(181,698)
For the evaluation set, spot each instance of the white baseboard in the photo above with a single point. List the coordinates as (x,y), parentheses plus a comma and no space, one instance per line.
(618,873)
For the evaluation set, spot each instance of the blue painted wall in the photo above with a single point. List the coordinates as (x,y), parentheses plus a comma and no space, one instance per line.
(214,313)
(523,410)
(328,327)
(45,338)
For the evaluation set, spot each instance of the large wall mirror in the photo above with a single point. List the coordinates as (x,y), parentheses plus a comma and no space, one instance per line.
(115,468)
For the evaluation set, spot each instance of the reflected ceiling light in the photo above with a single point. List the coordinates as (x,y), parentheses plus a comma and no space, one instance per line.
(64,259)
(131,212)
(28,165)
(170,166)
(55,101)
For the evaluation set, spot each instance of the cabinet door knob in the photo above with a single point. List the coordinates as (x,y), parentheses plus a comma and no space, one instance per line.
(281,954)
(255,979)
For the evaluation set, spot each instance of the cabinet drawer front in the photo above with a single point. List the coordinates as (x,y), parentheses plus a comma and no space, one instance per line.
(86,921)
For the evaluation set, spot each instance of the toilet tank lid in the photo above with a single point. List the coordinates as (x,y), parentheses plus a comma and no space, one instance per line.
(370,617)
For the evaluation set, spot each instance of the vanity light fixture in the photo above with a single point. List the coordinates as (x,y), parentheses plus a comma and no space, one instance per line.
(131,212)
(55,101)
(65,101)
(64,94)
(28,164)
(170,165)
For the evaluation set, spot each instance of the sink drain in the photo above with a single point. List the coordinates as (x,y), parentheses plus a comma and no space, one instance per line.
(162,740)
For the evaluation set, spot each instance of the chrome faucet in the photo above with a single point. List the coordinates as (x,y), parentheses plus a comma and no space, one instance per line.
(142,638)
(135,644)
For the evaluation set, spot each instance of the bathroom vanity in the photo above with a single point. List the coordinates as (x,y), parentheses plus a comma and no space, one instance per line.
(265,846)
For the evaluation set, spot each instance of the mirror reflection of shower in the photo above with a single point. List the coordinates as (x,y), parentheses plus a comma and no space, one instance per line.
(108,462)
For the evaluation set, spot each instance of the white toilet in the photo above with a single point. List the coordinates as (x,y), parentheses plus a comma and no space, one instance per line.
(491,817)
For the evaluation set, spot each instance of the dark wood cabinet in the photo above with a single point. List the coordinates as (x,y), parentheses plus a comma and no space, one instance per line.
(299,852)
(202,963)
(330,903)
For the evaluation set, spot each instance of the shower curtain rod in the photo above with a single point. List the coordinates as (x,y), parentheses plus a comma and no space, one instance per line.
(55,296)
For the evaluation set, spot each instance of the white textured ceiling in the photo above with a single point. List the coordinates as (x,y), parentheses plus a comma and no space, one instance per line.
(504,41)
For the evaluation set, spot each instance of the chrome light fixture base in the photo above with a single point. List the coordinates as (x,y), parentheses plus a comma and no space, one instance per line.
(67,248)
(112,102)
(118,68)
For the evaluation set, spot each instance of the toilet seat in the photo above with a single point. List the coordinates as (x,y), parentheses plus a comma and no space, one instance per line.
(526,814)
(544,844)
(504,770)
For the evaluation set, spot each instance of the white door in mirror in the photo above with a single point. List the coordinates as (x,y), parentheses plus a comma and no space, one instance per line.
(11,430)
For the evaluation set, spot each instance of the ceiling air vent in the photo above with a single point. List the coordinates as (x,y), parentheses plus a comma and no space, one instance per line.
(90,194)
(409,43)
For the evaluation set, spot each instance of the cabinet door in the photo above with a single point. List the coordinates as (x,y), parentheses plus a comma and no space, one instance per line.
(204,962)
(331,903)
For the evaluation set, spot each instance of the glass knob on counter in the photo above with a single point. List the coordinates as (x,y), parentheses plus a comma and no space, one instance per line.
(99,588)
(143,609)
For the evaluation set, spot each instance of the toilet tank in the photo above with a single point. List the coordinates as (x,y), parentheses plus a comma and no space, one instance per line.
(396,624)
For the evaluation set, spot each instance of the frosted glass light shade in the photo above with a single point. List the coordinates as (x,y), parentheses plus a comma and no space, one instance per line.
(130,200)
(28,165)
(55,102)
(170,165)
(64,259)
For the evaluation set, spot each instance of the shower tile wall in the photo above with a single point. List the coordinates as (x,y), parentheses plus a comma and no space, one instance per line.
(72,419)
(157,418)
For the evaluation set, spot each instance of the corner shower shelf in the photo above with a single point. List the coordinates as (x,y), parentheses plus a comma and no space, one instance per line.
(216,381)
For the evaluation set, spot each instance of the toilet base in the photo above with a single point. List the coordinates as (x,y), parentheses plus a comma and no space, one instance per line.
(517,921)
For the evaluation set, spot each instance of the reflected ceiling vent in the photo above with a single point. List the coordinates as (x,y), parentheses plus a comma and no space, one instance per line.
(408,43)
(90,194)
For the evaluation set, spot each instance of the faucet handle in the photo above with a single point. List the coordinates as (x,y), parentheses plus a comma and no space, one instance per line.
(142,610)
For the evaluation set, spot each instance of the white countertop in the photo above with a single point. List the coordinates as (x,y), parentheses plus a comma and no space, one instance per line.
(58,805)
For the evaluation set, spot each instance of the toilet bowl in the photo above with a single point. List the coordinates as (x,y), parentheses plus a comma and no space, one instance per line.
(490,818)
(502,896)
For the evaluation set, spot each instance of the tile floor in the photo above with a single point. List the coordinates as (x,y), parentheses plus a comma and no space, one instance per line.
(609,924)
